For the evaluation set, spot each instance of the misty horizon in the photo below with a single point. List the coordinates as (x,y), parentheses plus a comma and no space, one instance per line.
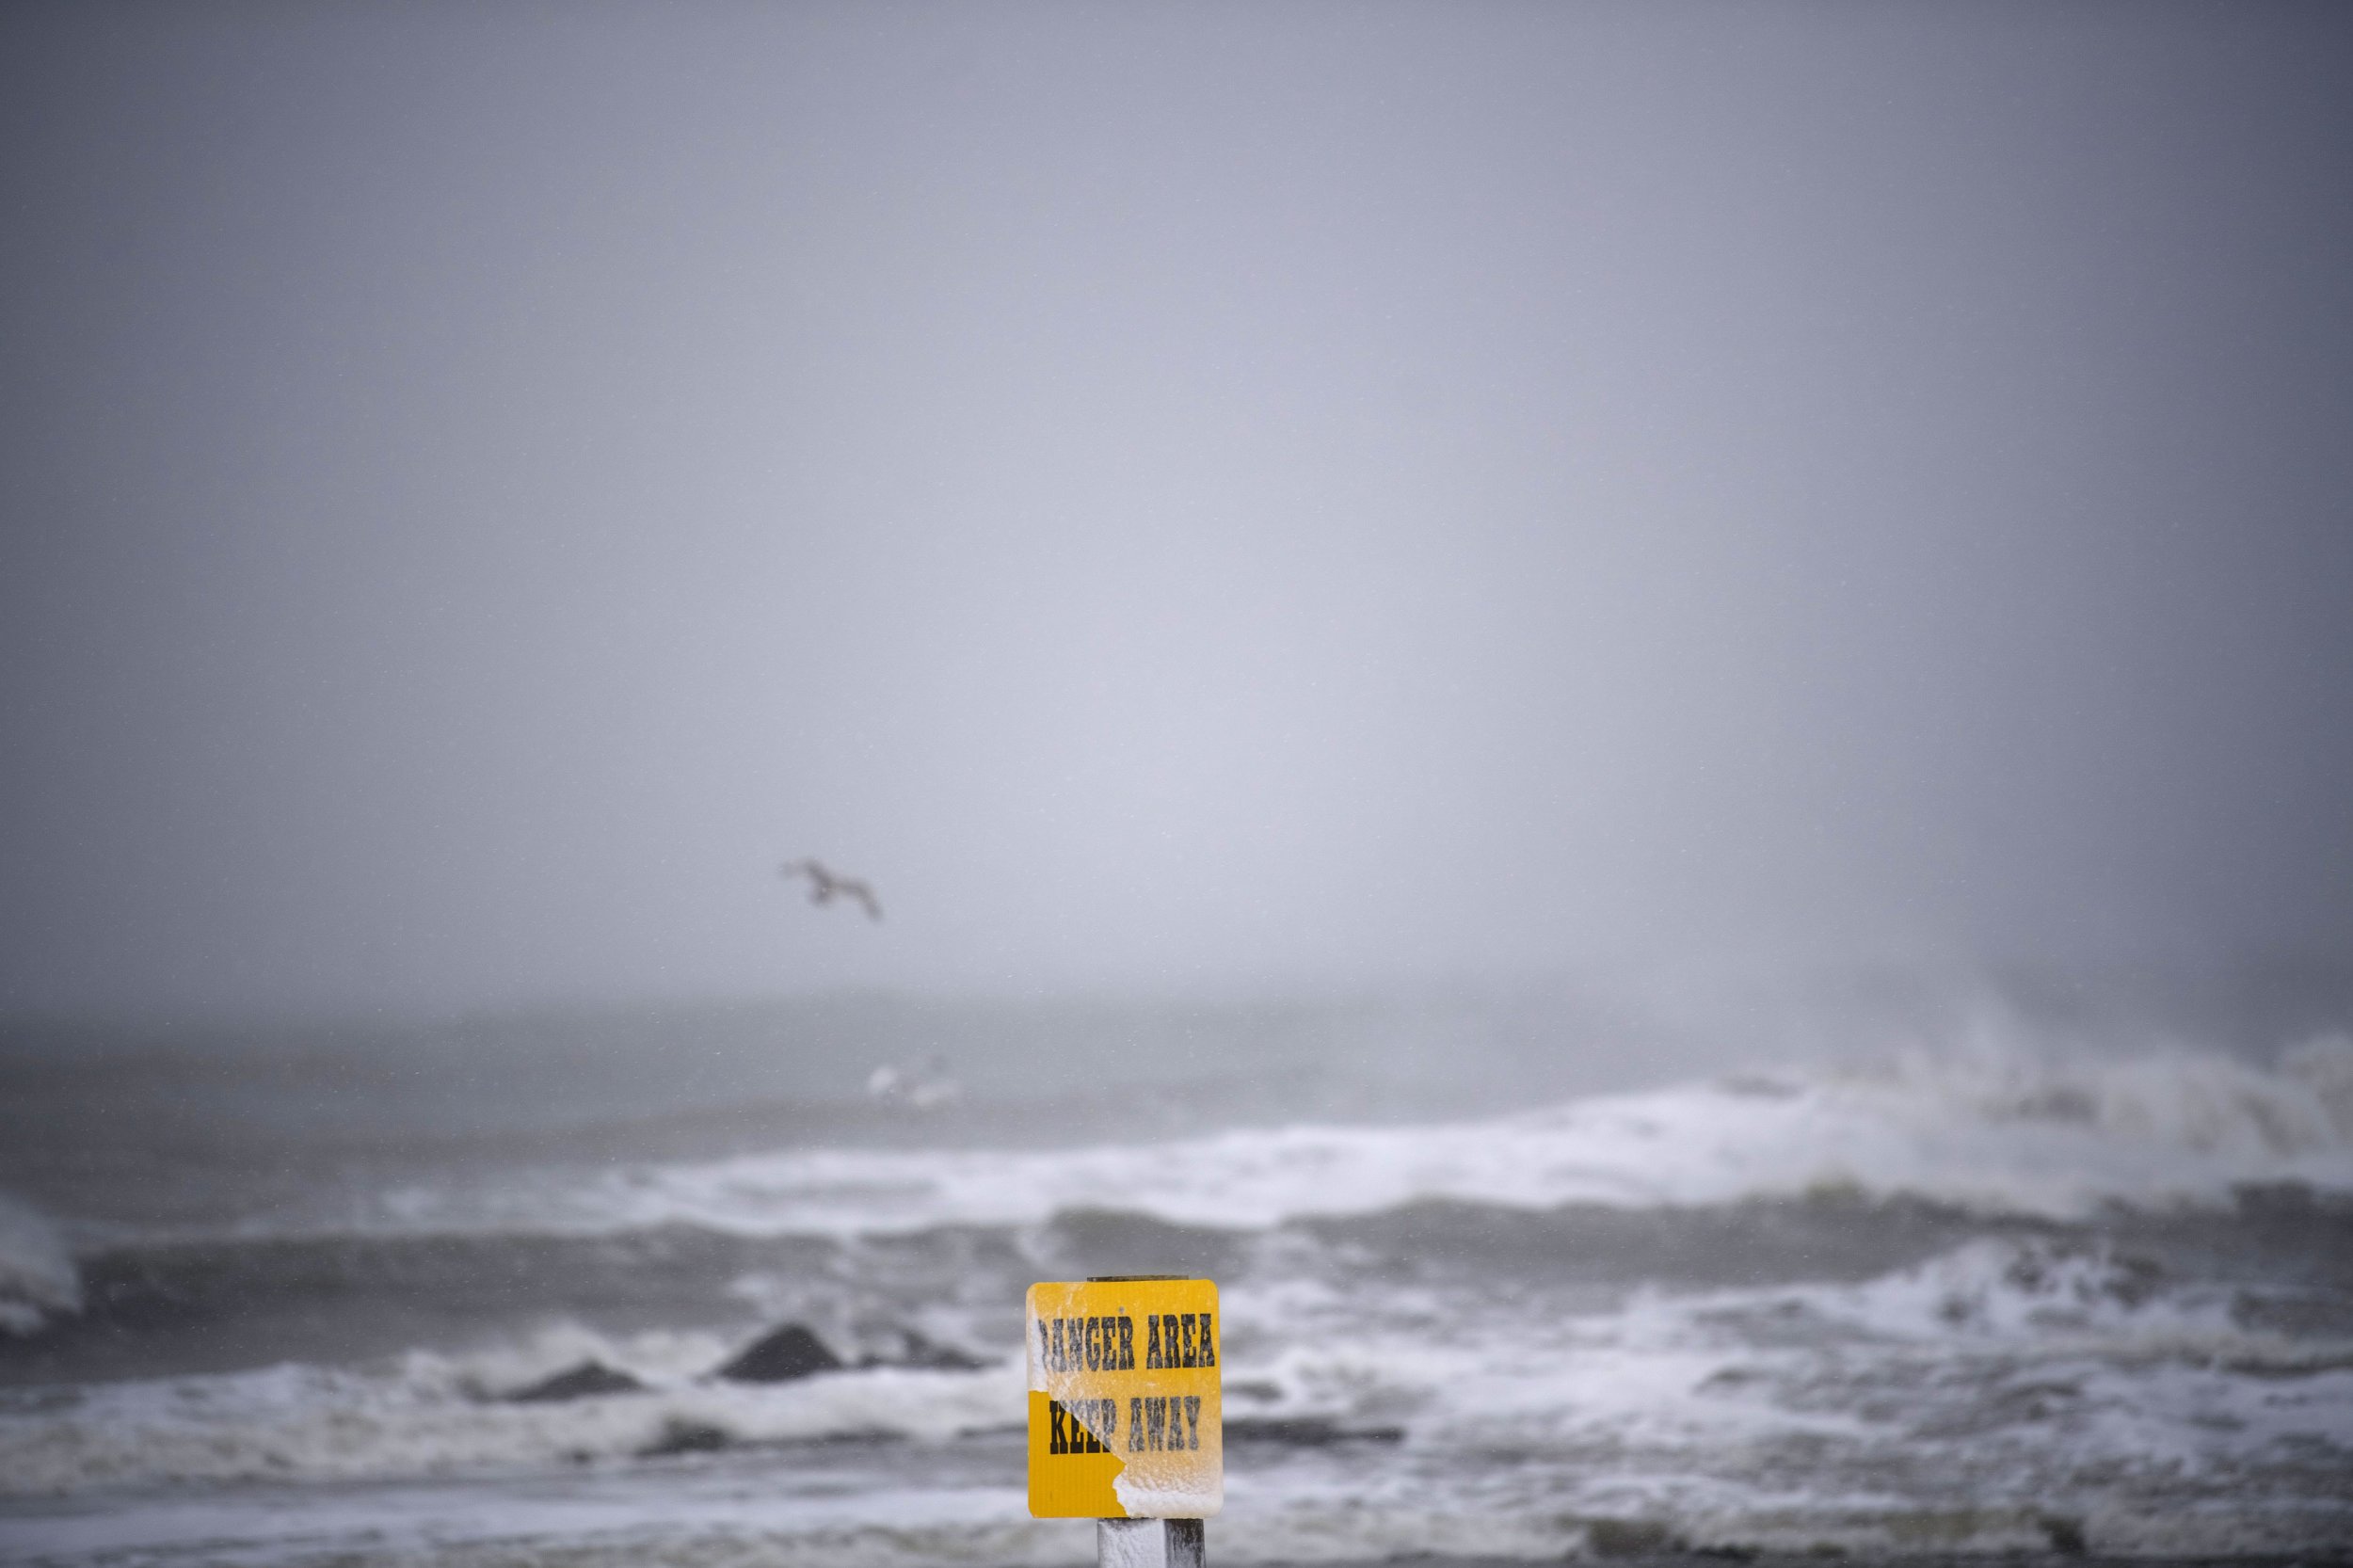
(1454,495)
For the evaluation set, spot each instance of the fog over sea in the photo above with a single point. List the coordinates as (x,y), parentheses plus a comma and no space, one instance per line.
(1976,1273)
(1641,711)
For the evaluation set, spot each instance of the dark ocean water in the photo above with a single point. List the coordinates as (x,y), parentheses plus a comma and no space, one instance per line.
(1489,1287)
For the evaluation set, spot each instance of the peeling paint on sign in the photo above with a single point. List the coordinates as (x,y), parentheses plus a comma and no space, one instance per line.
(1123,1413)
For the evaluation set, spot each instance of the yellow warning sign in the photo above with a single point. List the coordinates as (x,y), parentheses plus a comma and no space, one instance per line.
(1123,1399)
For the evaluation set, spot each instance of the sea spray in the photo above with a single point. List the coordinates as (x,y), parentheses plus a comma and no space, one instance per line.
(38,1279)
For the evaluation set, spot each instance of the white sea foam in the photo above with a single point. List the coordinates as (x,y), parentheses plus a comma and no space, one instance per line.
(2025,1361)
(432,1414)
(38,1280)
(1989,1134)
(1664,1420)
(2003,1287)
(2034,1373)
(724,1519)
(709,1517)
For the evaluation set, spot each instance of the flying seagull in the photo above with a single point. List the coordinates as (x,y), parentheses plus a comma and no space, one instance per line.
(824,887)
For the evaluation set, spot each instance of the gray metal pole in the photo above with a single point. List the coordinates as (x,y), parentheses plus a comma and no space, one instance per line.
(1150,1543)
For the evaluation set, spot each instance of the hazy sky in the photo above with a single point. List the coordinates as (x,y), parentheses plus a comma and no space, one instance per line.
(1177,495)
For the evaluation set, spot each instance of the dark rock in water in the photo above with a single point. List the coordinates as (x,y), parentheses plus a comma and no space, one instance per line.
(929,1355)
(945,1358)
(1630,1538)
(858,1437)
(791,1351)
(586,1381)
(1305,1432)
(680,1436)
(794,1351)
(2066,1535)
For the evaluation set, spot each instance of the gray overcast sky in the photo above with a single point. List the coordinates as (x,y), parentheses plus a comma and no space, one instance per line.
(1203,495)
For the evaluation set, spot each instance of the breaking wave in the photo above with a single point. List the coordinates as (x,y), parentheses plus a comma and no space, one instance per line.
(38,1279)
(1911,1307)
(2040,1357)
(433,1413)
(1991,1136)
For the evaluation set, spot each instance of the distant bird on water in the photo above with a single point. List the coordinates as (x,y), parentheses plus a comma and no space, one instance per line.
(824,887)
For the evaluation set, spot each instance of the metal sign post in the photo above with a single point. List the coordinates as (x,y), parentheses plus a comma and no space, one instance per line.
(1149,1544)
(1125,1425)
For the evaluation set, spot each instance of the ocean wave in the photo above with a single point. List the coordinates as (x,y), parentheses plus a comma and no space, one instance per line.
(2058,1371)
(1987,1134)
(435,1414)
(39,1281)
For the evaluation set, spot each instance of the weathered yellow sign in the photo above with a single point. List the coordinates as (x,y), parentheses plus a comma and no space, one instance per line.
(1124,1418)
